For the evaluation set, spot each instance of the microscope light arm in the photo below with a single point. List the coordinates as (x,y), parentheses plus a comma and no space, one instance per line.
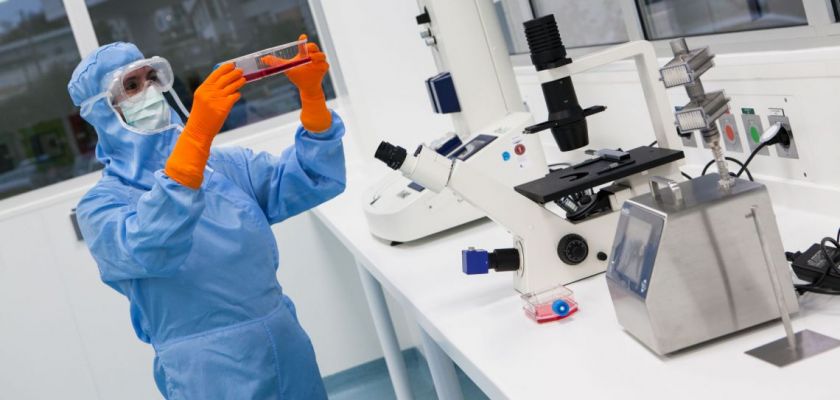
(516,213)
(644,55)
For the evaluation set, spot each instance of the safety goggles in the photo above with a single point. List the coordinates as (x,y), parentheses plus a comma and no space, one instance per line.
(133,78)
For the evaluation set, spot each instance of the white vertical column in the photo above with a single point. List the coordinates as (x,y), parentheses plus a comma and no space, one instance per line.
(632,20)
(517,12)
(328,47)
(82,26)
(819,12)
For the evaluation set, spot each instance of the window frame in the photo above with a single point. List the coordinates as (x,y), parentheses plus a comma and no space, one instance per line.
(823,29)
(82,26)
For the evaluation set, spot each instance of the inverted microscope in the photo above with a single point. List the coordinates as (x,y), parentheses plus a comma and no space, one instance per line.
(562,224)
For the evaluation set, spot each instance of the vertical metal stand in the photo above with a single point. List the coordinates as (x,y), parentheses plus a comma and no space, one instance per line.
(774,279)
(443,372)
(794,346)
(386,333)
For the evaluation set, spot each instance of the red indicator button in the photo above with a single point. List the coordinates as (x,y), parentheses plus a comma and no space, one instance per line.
(519,149)
(730,133)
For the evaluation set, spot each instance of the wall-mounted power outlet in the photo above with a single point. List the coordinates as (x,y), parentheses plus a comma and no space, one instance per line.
(785,150)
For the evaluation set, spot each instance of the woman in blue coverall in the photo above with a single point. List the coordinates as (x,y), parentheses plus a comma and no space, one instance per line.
(183,230)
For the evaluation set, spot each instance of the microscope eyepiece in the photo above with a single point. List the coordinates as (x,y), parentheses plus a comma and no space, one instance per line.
(391,155)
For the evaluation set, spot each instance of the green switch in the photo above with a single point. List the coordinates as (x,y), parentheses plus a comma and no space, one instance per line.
(754,134)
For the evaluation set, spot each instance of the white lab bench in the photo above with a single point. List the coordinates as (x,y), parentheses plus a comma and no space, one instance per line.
(477,322)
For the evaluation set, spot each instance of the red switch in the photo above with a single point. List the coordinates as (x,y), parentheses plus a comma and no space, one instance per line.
(519,149)
(730,133)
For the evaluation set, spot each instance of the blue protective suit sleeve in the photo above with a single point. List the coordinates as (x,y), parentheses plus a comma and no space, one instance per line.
(305,175)
(151,238)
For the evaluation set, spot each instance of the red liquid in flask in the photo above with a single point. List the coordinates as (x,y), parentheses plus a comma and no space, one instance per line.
(544,313)
(275,69)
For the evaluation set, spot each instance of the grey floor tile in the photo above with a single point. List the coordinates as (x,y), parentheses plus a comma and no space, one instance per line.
(371,381)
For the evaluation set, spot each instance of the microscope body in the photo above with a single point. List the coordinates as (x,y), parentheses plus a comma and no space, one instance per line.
(552,246)
(549,248)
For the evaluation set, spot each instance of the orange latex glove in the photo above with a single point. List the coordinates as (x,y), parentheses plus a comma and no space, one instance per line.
(314,114)
(212,103)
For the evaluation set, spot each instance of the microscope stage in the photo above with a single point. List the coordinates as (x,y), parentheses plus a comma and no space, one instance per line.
(595,172)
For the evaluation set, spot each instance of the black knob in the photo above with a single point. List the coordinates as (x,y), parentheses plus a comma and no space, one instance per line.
(393,156)
(572,249)
(424,18)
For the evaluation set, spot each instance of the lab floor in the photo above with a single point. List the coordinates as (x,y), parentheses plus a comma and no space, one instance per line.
(371,381)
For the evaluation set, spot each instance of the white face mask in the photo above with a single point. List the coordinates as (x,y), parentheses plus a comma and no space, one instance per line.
(146,111)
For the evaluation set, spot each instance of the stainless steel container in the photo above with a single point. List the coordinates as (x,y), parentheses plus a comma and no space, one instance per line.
(687,265)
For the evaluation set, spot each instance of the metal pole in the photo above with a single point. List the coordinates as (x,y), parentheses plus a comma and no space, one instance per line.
(774,280)
(386,333)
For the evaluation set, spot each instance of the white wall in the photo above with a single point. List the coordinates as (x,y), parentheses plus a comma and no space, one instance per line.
(804,83)
(63,333)
(385,64)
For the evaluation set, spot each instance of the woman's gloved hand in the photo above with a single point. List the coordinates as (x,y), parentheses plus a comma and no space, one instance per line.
(212,103)
(314,114)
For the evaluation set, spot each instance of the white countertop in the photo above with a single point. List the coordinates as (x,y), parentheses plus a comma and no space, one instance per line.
(478,321)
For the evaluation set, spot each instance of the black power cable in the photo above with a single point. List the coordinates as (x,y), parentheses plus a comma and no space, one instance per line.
(830,260)
(750,158)
(815,285)
(810,289)
(783,136)
(736,161)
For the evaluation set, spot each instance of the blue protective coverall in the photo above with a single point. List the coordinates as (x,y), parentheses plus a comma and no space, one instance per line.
(199,266)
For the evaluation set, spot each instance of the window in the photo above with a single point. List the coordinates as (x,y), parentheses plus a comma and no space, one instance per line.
(42,138)
(585,23)
(195,35)
(663,19)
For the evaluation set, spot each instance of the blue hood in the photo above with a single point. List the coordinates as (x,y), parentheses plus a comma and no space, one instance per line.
(128,155)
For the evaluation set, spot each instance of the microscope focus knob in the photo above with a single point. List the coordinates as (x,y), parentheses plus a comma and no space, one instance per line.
(573,249)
